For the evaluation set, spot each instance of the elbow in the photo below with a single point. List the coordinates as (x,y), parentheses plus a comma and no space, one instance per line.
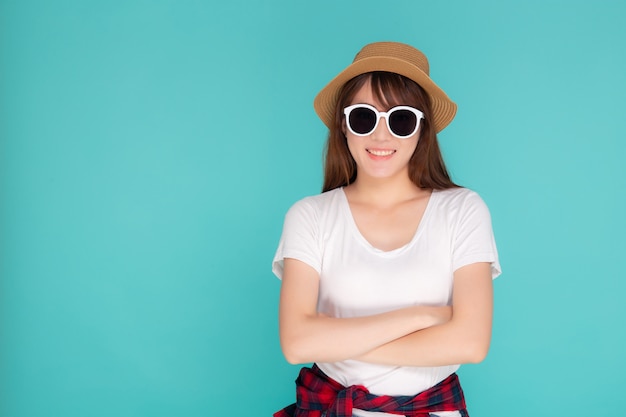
(297,343)
(293,353)
(473,343)
(294,360)
(292,357)
(476,357)
(476,351)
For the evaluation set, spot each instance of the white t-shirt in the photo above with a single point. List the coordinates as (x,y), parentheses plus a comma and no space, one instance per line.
(357,279)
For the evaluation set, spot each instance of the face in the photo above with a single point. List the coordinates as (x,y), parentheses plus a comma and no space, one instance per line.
(379,155)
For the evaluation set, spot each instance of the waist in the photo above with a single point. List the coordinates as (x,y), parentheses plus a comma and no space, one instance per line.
(387,380)
(318,395)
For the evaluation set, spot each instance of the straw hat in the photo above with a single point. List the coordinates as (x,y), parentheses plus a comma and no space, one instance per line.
(391,57)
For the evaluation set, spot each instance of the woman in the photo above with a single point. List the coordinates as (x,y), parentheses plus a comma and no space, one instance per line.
(386,275)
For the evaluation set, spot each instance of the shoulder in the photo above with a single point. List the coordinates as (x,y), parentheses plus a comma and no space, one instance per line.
(457,194)
(310,218)
(317,204)
(460,201)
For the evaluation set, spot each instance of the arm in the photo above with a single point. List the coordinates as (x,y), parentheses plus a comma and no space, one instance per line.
(306,336)
(463,339)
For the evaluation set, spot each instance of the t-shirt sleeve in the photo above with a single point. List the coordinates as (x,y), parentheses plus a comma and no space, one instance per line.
(300,238)
(474,239)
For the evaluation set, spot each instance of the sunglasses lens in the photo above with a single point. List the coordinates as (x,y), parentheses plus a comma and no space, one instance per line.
(402,122)
(362,120)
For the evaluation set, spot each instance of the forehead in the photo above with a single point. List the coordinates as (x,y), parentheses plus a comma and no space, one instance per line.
(378,96)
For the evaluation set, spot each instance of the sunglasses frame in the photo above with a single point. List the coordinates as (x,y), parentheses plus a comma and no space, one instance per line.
(385,115)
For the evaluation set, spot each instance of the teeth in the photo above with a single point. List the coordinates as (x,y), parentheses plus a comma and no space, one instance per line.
(380,153)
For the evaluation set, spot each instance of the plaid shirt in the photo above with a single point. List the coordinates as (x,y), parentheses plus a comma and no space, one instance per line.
(317,393)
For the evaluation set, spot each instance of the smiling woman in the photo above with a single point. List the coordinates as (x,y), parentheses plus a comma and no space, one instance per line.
(386,275)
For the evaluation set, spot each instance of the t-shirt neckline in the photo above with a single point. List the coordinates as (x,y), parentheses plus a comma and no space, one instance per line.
(347,212)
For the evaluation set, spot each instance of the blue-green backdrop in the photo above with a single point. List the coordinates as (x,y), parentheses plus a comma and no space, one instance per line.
(149,151)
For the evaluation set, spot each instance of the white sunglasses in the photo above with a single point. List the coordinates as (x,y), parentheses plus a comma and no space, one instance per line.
(402,121)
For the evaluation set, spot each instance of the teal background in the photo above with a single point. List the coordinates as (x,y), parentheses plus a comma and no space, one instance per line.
(149,151)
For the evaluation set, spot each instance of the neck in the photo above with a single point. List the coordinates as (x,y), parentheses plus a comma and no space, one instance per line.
(384,192)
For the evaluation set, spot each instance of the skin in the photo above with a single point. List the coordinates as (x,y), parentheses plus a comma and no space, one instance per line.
(384,203)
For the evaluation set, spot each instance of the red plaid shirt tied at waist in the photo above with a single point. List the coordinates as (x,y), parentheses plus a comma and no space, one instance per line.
(316,393)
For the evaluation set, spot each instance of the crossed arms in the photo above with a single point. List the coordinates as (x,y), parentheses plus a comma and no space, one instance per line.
(410,336)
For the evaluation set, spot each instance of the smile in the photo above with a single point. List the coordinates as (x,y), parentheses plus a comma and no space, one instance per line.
(378,152)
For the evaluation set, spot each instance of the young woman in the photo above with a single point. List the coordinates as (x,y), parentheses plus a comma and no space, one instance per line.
(386,275)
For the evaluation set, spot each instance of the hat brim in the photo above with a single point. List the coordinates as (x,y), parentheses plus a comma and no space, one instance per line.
(443,108)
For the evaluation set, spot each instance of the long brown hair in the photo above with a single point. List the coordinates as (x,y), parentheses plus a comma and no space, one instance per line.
(426,167)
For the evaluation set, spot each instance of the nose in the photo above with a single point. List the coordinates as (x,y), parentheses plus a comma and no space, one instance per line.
(382,132)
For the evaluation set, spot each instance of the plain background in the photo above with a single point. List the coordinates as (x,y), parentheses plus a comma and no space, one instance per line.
(150,149)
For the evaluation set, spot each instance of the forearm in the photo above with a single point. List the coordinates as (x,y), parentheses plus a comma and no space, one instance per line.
(463,339)
(318,338)
(307,336)
(446,344)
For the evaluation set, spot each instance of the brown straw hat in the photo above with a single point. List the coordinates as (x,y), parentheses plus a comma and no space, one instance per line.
(390,57)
